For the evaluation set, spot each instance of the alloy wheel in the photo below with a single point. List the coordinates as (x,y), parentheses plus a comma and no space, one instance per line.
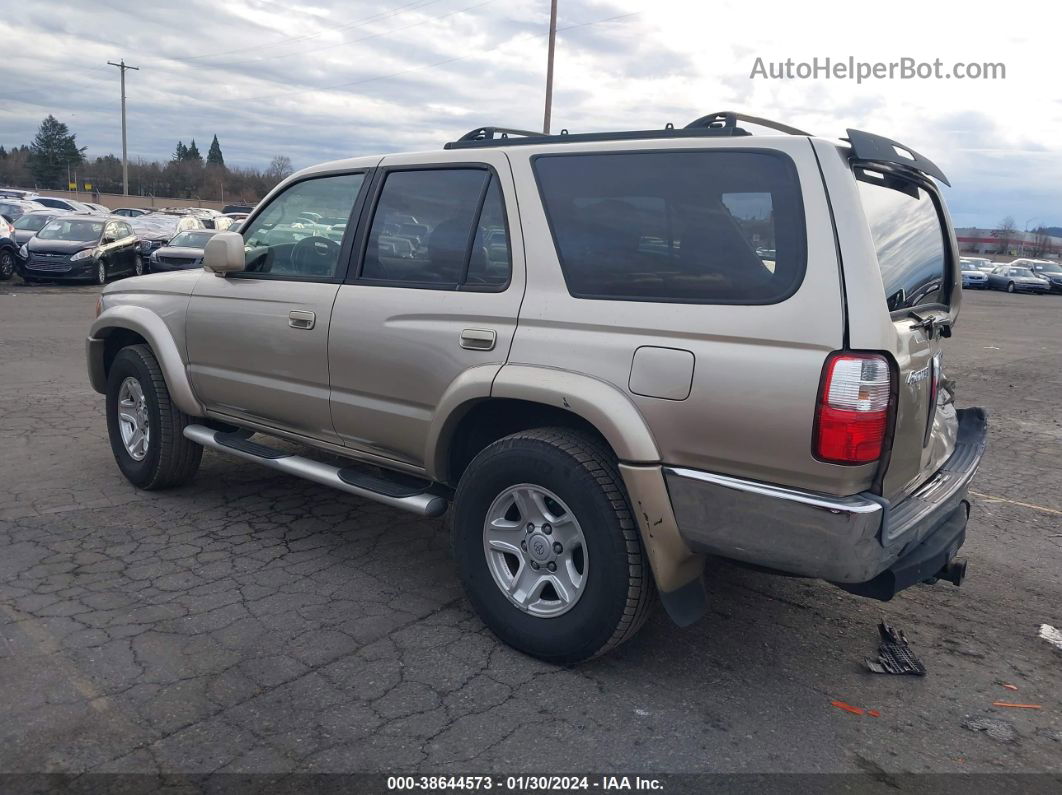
(101,273)
(535,550)
(133,419)
(7,265)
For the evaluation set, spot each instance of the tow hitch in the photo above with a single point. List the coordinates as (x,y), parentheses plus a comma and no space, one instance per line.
(954,571)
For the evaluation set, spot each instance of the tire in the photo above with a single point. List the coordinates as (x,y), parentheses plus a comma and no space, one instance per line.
(1010,287)
(138,269)
(7,265)
(169,459)
(101,273)
(617,588)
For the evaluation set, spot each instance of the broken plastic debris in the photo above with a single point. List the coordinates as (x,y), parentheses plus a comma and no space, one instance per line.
(1015,706)
(1010,687)
(848,707)
(855,710)
(894,654)
(1051,635)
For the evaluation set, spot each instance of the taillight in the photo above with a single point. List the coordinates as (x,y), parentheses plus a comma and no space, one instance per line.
(853,410)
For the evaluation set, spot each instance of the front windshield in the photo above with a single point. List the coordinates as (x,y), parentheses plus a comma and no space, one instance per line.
(72,230)
(192,239)
(1048,267)
(33,223)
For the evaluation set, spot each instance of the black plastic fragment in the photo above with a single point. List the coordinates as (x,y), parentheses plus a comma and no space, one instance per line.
(894,654)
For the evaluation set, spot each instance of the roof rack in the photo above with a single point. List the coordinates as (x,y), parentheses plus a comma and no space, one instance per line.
(720,124)
(728,119)
(496,133)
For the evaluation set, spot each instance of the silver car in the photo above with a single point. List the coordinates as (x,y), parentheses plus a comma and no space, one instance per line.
(1016,279)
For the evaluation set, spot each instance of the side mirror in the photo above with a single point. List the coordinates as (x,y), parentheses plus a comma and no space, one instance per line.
(224,253)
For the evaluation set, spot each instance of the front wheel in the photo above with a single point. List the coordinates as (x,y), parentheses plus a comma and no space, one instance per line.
(7,265)
(145,428)
(1010,287)
(101,272)
(138,268)
(547,547)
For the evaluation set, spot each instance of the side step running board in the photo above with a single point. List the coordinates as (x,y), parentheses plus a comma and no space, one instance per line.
(406,493)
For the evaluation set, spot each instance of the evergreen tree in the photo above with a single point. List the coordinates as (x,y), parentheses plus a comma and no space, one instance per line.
(53,151)
(181,153)
(214,156)
(193,153)
(3,152)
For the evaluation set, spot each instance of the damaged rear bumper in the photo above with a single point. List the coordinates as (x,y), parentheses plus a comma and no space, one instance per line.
(862,542)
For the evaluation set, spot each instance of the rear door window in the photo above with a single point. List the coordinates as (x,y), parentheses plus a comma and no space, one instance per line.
(909,240)
(439,228)
(680,226)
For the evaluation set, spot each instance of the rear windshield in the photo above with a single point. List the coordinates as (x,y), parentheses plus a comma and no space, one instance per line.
(679,226)
(909,240)
(32,223)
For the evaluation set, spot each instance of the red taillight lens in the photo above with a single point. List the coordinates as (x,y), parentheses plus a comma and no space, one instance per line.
(853,410)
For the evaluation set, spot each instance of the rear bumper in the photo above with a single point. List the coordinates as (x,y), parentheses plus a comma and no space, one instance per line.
(846,540)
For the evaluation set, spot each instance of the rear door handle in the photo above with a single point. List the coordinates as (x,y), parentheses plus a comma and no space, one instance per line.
(478,339)
(301,319)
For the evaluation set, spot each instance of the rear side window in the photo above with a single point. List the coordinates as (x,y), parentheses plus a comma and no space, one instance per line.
(439,228)
(909,240)
(681,226)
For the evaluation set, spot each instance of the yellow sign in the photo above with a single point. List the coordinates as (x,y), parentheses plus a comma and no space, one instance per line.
(88,186)
(71,186)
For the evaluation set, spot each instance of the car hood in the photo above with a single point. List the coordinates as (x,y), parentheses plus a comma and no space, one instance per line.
(175,282)
(184,252)
(38,246)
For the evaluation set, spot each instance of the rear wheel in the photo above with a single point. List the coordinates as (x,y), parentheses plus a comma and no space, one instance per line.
(547,547)
(1010,287)
(145,428)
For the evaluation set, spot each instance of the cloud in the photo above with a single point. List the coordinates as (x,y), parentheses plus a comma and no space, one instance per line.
(332,78)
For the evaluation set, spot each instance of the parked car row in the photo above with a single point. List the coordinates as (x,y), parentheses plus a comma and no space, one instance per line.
(1023,275)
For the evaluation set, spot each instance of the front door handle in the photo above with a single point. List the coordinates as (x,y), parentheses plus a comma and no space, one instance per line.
(301,319)
(478,339)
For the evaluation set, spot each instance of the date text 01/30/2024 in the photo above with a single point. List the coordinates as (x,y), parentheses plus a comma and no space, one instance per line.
(523,783)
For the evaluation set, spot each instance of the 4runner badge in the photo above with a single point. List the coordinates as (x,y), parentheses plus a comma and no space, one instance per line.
(918,376)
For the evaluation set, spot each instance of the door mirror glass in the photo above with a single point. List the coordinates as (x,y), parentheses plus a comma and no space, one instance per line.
(224,253)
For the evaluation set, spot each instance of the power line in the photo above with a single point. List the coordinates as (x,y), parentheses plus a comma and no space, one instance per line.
(349,42)
(431,65)
(292,39)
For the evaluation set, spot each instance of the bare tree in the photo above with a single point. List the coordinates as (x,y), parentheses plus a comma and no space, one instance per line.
(1005,233)
(279,168)
(1041,241)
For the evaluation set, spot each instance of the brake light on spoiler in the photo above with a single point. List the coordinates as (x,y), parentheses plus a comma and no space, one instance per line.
(853,410)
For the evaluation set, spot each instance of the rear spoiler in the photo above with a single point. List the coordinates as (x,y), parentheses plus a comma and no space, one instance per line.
(884,153)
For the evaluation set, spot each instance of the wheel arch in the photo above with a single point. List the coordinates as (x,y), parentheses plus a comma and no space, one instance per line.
(121,326)
(477,411)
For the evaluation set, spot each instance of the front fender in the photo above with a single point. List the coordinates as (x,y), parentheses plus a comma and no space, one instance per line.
(154,330)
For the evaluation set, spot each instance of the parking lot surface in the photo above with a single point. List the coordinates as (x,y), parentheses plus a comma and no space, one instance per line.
(254,622)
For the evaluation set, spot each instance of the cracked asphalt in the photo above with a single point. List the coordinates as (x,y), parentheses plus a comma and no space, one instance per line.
(257,623)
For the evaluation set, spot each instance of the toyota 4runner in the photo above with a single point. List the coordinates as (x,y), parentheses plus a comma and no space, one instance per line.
(614,354)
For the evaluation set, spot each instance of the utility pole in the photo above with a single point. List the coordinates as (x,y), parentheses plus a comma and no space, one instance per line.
(125,155)
(549,65)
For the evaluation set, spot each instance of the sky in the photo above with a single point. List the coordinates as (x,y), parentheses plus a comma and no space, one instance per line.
(327,79)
